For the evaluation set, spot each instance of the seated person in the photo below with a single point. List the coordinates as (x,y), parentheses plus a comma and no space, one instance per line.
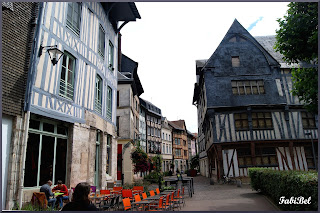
(80,199)
(63,189)
(46,188)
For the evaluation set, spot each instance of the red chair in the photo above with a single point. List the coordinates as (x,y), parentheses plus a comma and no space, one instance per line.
(138,189)
(104,192)
(127,193)
(117,190)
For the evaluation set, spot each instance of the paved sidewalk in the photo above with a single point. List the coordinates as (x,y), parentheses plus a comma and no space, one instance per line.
(225,197)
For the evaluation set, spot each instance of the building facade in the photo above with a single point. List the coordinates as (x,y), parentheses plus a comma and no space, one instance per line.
(71,102)
(247,116)
(191,146)
(179,145)
(128,107)
(153,128)
(166,135)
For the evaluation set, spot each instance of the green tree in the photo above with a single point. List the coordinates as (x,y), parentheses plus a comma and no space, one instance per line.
(297,40)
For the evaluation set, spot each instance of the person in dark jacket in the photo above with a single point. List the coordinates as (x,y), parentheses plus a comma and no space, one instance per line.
(46,188)
(80,199)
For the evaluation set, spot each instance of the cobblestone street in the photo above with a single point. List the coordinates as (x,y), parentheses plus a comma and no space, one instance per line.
(219,197)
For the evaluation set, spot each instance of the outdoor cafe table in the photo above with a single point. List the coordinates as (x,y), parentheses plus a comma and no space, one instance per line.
(143,203)
(189,180)
(56,194)
(100,197)
(155,197)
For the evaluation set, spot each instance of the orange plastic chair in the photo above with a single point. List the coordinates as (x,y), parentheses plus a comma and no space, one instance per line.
(137,198)
(152,193)
(167,203)
(156,207)
(157,191)
(175,201)
(127,193)
(126,204)
(144,195)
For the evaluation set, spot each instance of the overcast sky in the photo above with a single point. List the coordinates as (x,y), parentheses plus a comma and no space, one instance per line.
(170,37)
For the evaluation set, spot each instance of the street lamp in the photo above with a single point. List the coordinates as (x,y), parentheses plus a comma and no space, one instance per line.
(54,53)
(313,152)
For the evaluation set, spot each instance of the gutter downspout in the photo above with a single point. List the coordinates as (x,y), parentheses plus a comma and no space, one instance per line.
(28,101)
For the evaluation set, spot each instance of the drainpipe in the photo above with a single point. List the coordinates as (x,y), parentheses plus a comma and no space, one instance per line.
(28,103)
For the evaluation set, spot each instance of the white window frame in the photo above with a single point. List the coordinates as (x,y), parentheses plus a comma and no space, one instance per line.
(70,23)
(66,89)
(98,95)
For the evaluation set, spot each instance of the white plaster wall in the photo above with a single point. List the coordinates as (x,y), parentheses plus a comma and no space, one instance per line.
(6,138)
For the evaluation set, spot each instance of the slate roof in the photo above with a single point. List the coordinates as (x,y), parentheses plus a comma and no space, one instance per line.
(268,42)
(129,73)
(150,107)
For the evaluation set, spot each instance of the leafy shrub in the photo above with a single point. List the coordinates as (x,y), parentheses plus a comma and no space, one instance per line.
(153,177)
(289,184)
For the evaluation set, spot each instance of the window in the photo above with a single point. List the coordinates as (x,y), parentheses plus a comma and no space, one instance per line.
(118,125)
(97,161)
(266,156)
(308,121)
(244,157)
(110,58)
(169,137)
(248,87)
(235,61)
(118,98)
(162,135)
(167,148)
(261,120)
(178,141)
(163,149)
(149,131)
(67,76)
(170,149)
(166,136)
(109,103)
(108,165)
(98,99)
(184,143)
(175,141)
(241,121)
(101,43)
(73,17)
(46,147)
(185,153)
(178,152)
(309,155)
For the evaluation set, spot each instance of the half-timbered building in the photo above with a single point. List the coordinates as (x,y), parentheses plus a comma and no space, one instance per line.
(247,116)
(70,101)
(180,153)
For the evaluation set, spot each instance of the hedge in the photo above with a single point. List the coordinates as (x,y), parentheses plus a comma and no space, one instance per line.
(276,184)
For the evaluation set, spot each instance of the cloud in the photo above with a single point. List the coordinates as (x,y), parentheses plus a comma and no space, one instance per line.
(254,23)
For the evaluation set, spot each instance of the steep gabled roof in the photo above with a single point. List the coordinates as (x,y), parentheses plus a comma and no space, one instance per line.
(179,125)
(237,29)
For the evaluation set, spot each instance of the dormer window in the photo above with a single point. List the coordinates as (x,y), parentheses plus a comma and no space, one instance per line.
(235,61)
